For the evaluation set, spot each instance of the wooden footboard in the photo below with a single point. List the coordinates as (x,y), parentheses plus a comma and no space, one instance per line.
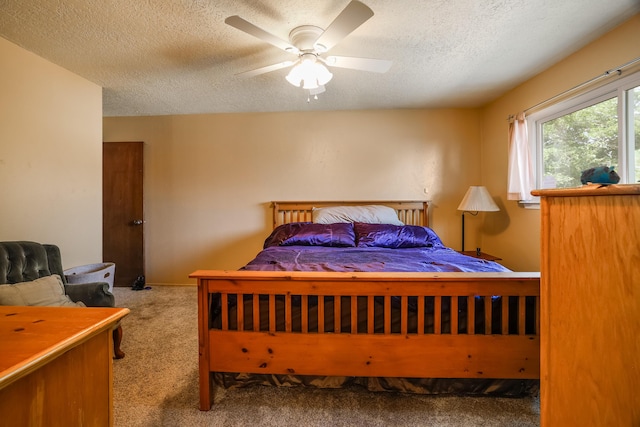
(445,325)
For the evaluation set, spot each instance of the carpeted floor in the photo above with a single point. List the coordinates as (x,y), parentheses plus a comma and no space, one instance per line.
(156,384)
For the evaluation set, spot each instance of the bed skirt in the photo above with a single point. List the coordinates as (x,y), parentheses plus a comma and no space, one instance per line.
(436,386)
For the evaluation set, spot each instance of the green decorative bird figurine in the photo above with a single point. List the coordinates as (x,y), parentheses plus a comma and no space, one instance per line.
(600,175)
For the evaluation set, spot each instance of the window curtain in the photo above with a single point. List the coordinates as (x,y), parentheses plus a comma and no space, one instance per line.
(520,180)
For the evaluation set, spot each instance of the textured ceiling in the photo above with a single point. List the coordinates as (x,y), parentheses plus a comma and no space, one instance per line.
(156,57)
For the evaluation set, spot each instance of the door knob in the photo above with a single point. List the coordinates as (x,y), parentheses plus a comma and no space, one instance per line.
(137,222)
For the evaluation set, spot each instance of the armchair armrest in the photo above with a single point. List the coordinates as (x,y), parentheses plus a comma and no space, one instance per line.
(91,294)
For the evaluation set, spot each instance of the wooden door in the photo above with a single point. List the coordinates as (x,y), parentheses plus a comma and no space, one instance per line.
(122,210)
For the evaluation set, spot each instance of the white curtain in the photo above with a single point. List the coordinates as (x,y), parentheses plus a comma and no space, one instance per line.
(520,180)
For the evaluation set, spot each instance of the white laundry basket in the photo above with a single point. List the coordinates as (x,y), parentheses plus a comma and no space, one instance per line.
(101,272)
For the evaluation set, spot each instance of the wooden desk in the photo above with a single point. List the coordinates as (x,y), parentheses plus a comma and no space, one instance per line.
(56,365)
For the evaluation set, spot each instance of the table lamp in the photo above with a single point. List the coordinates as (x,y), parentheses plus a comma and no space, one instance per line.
(476,200)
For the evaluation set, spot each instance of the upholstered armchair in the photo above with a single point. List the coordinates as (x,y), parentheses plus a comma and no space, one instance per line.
(34,272)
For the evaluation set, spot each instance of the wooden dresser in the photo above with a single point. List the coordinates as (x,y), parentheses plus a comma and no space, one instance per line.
(56,365)
(590,306)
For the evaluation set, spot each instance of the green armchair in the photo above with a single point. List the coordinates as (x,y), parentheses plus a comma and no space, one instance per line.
(30,265)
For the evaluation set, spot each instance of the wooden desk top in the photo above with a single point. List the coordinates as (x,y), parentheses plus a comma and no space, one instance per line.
(591,190)
(32,336)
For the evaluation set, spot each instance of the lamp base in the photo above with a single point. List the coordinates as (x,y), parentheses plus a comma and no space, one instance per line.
(462,231)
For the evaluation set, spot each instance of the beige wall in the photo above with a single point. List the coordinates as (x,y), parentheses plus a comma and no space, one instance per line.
(514,232)
(50,156)
(209,178)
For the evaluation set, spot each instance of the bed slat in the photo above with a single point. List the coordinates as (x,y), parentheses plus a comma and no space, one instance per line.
(421,321)
(370,315)
(305,314)
(404,314)
(522,315)
(387,314)
(240,312)
(471,316)
(488,315)
(224,302)
(505,316)
(320,314)
(272,313)
(337,311)
(437,315)
(454,315)
(287,313)
(256,313)
(354,314)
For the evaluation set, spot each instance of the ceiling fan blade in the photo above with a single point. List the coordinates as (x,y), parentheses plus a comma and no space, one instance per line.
(267,69)
(246,26)
(354,15)
(363,64)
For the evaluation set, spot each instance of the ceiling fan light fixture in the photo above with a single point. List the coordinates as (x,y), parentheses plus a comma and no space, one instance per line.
(323,75)
(294,77)
(309,84)
(309,72)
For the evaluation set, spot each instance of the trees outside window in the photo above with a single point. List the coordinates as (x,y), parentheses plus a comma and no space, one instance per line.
(581,140)
(599,128)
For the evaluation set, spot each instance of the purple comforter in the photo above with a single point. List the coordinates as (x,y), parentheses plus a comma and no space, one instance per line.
(374,259)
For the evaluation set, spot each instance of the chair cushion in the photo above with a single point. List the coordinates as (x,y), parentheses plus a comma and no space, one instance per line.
(47,290)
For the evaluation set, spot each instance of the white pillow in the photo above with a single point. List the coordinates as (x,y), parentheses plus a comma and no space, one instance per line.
(47,290)
(369,214)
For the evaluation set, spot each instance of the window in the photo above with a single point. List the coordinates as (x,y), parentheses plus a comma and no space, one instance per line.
(598,128)
(633,130)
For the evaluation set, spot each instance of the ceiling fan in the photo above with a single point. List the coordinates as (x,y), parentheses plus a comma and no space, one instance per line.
(310,43)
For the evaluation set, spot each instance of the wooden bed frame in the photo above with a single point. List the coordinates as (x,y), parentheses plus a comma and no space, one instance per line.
(407,354)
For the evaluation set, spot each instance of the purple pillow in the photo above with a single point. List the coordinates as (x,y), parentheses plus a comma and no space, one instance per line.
(395,236)
(310,234)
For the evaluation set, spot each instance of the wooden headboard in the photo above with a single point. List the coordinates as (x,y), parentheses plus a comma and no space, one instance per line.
(409,212)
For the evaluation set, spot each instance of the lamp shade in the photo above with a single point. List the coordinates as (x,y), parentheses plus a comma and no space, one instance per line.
(478,199)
